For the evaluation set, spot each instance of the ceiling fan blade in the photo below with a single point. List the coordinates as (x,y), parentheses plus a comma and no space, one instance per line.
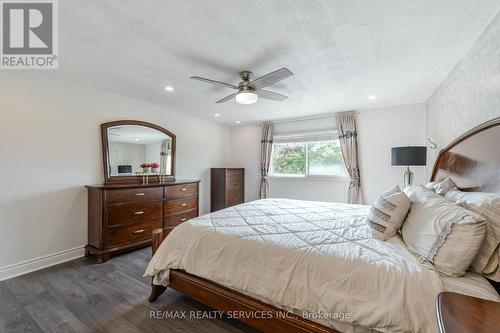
(228,85)
(227,98)
(271,95)
(271,78)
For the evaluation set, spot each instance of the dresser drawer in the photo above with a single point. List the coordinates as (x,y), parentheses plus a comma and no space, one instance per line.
(134,213)
(231,204)
(134,195)
(174,220)
(131,233)
(234,186)
(181,205)
(234,197)
(176,191)
(234,174)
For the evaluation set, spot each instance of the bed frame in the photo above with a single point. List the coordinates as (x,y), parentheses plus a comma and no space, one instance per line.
(472,160)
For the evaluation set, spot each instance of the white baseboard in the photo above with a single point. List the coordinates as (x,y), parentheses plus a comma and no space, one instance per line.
(35,264)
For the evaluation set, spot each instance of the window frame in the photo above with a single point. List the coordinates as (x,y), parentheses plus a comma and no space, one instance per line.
(306,175)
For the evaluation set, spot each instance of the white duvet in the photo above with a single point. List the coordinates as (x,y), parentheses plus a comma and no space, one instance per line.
(307,257)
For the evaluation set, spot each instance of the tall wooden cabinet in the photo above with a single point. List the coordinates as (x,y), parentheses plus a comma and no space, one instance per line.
(123,216)
(227,187)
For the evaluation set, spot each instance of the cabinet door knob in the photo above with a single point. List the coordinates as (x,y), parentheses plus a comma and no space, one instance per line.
(183,204)
(140,231)
(183,219)
(139,212)
(183,189)
(139,194)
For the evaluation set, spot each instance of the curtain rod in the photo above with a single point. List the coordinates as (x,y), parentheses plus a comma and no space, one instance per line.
(311,118)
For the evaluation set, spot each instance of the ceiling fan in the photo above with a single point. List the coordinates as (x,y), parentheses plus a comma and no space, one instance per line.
(249,91)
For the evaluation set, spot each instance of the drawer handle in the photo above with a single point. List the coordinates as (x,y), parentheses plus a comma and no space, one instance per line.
(183,219)
(184,204)
(139,212)
(183,189)
(140,231)
(140,194)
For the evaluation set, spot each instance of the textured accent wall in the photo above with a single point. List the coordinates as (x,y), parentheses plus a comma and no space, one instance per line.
(126,154)
(470,95)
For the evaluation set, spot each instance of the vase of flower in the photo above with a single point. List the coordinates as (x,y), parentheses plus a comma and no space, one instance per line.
(154,167)
(146,167)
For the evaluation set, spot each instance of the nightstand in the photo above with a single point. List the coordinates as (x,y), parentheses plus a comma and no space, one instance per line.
(458,313)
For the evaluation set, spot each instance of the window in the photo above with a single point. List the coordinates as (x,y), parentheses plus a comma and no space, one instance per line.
(289,159)
(309,154)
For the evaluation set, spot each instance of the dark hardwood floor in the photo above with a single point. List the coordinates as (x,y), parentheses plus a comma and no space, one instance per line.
(80,296)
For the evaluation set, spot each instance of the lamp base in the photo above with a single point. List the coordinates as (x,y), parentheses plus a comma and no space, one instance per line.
(408,177)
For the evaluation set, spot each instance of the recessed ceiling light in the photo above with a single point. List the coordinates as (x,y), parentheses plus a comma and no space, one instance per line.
(237,121)
(137,139)
(372,97)
(169,88)
(216,115)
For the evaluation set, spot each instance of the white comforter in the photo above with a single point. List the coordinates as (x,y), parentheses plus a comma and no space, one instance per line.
(306,256)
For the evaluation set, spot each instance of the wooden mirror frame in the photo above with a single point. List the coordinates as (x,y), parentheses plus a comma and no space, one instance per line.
(108,179)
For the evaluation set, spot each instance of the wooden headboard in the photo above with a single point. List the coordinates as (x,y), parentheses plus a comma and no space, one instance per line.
(473,162)
(473,159)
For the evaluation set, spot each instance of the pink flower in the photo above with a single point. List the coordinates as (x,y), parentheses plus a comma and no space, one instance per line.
(154,165)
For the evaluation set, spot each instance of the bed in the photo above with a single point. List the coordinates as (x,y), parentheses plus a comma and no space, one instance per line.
(299,266)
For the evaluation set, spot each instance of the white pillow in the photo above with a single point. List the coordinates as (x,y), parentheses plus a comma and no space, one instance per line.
(388,213)
(442,233)
(441,187)
(430,186)
(495,276)
(488,206)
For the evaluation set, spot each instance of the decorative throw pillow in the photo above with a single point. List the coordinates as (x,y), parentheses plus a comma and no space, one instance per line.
(441,232)
(388,213)
(488,206)
(441,187)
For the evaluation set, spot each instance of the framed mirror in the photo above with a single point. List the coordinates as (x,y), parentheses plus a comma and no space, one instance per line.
(132,148)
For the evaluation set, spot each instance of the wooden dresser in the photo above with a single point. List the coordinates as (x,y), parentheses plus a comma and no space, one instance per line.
(123,216)
(227,187)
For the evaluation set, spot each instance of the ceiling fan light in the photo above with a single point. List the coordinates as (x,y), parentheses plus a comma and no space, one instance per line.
(246,98)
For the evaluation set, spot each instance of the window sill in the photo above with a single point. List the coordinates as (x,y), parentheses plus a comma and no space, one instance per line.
(304,178)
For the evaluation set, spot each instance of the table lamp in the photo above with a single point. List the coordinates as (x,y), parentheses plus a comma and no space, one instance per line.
(409,156)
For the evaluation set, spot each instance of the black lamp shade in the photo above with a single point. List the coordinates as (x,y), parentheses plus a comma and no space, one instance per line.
(415,155)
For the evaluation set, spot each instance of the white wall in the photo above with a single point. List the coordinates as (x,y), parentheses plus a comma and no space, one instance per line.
(153,152)
(470,95)
(379,131)
(245,152)
(50,148)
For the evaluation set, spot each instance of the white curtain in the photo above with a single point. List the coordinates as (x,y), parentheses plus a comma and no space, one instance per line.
(266,146)
(346,126)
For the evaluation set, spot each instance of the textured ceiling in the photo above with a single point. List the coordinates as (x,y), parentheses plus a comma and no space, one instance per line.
(340,51)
